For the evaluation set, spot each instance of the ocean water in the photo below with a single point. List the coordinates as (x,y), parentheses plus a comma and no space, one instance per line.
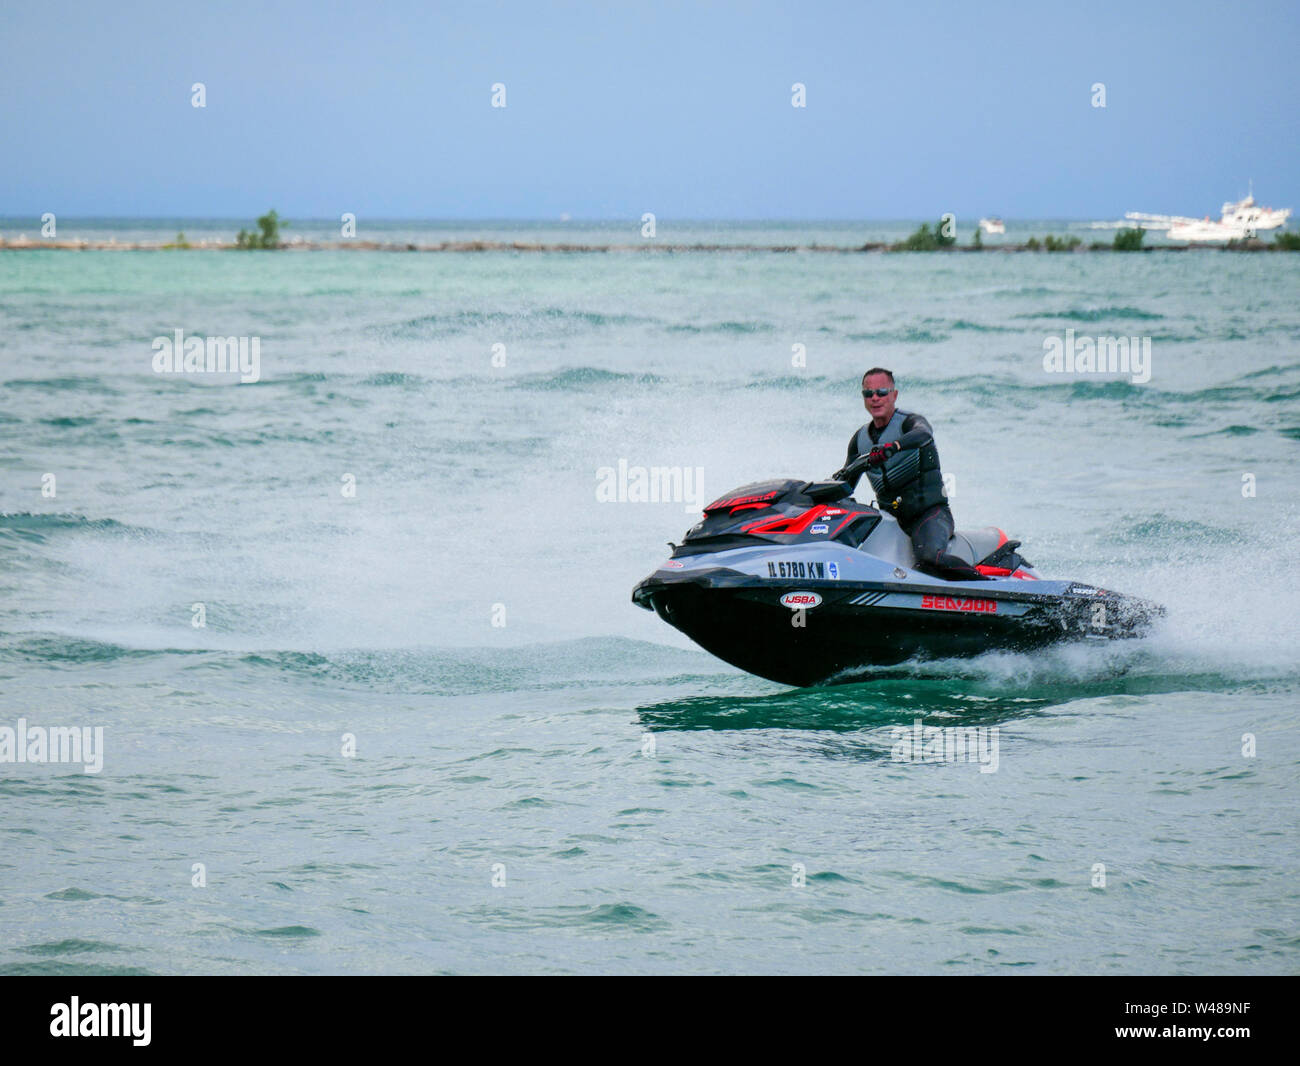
(394,536)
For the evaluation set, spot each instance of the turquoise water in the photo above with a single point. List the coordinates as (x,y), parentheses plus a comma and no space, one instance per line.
(645,804)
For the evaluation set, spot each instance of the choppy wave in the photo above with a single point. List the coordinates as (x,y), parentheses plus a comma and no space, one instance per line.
(507,323)
(80,968)
(89,383)
(394,378)
(794,383)
(29,526)
(907,335)
(61,648)
(977,327)
(1094,314)
(582,377)
(720,327)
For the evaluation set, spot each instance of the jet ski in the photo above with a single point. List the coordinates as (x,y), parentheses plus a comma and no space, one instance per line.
(798,582)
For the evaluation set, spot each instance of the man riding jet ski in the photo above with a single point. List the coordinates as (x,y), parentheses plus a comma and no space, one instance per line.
(896,451)
(798,582)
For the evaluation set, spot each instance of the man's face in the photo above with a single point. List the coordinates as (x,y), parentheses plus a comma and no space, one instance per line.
(881,408)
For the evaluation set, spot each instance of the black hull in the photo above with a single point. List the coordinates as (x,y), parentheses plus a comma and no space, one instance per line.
(746,627)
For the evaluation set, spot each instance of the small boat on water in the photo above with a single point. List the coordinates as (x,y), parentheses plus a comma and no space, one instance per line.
(993,226)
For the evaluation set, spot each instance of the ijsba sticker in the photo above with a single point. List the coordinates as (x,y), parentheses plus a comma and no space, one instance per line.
(795,600)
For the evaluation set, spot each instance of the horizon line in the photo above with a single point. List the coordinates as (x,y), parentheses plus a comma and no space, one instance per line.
(619,220)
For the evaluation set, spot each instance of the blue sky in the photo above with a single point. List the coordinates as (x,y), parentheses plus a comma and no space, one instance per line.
(681,109)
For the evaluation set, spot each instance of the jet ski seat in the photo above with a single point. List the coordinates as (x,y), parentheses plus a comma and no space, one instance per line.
(974,546)
(990,552)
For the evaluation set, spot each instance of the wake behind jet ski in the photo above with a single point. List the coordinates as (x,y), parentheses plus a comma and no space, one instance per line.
(797,582)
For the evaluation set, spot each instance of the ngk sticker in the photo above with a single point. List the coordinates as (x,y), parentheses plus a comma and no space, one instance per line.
(800,600)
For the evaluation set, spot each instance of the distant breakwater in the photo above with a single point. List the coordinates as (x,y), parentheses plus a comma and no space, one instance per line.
(18,245)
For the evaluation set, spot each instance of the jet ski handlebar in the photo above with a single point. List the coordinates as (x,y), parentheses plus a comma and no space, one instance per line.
(825,491)
(858,466)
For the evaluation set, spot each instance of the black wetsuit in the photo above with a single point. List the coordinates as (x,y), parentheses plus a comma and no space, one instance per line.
(910,487)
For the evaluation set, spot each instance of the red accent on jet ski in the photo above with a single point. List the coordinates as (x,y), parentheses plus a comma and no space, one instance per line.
(735,502)
(846,521)
(956,603)
(797,524)
(1002,571)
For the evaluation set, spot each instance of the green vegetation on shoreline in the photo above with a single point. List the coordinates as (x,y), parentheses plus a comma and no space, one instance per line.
(1129,240)
(269,224)
(922,240)
(925,240)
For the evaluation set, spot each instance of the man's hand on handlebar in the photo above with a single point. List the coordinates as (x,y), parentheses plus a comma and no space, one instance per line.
(879,456)
(875,457)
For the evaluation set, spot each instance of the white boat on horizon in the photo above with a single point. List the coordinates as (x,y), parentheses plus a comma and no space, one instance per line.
(1249,215)
(1205,229)
(993,226)
(1239,220)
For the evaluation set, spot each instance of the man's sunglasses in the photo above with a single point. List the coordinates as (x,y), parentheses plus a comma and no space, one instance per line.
(875,392)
